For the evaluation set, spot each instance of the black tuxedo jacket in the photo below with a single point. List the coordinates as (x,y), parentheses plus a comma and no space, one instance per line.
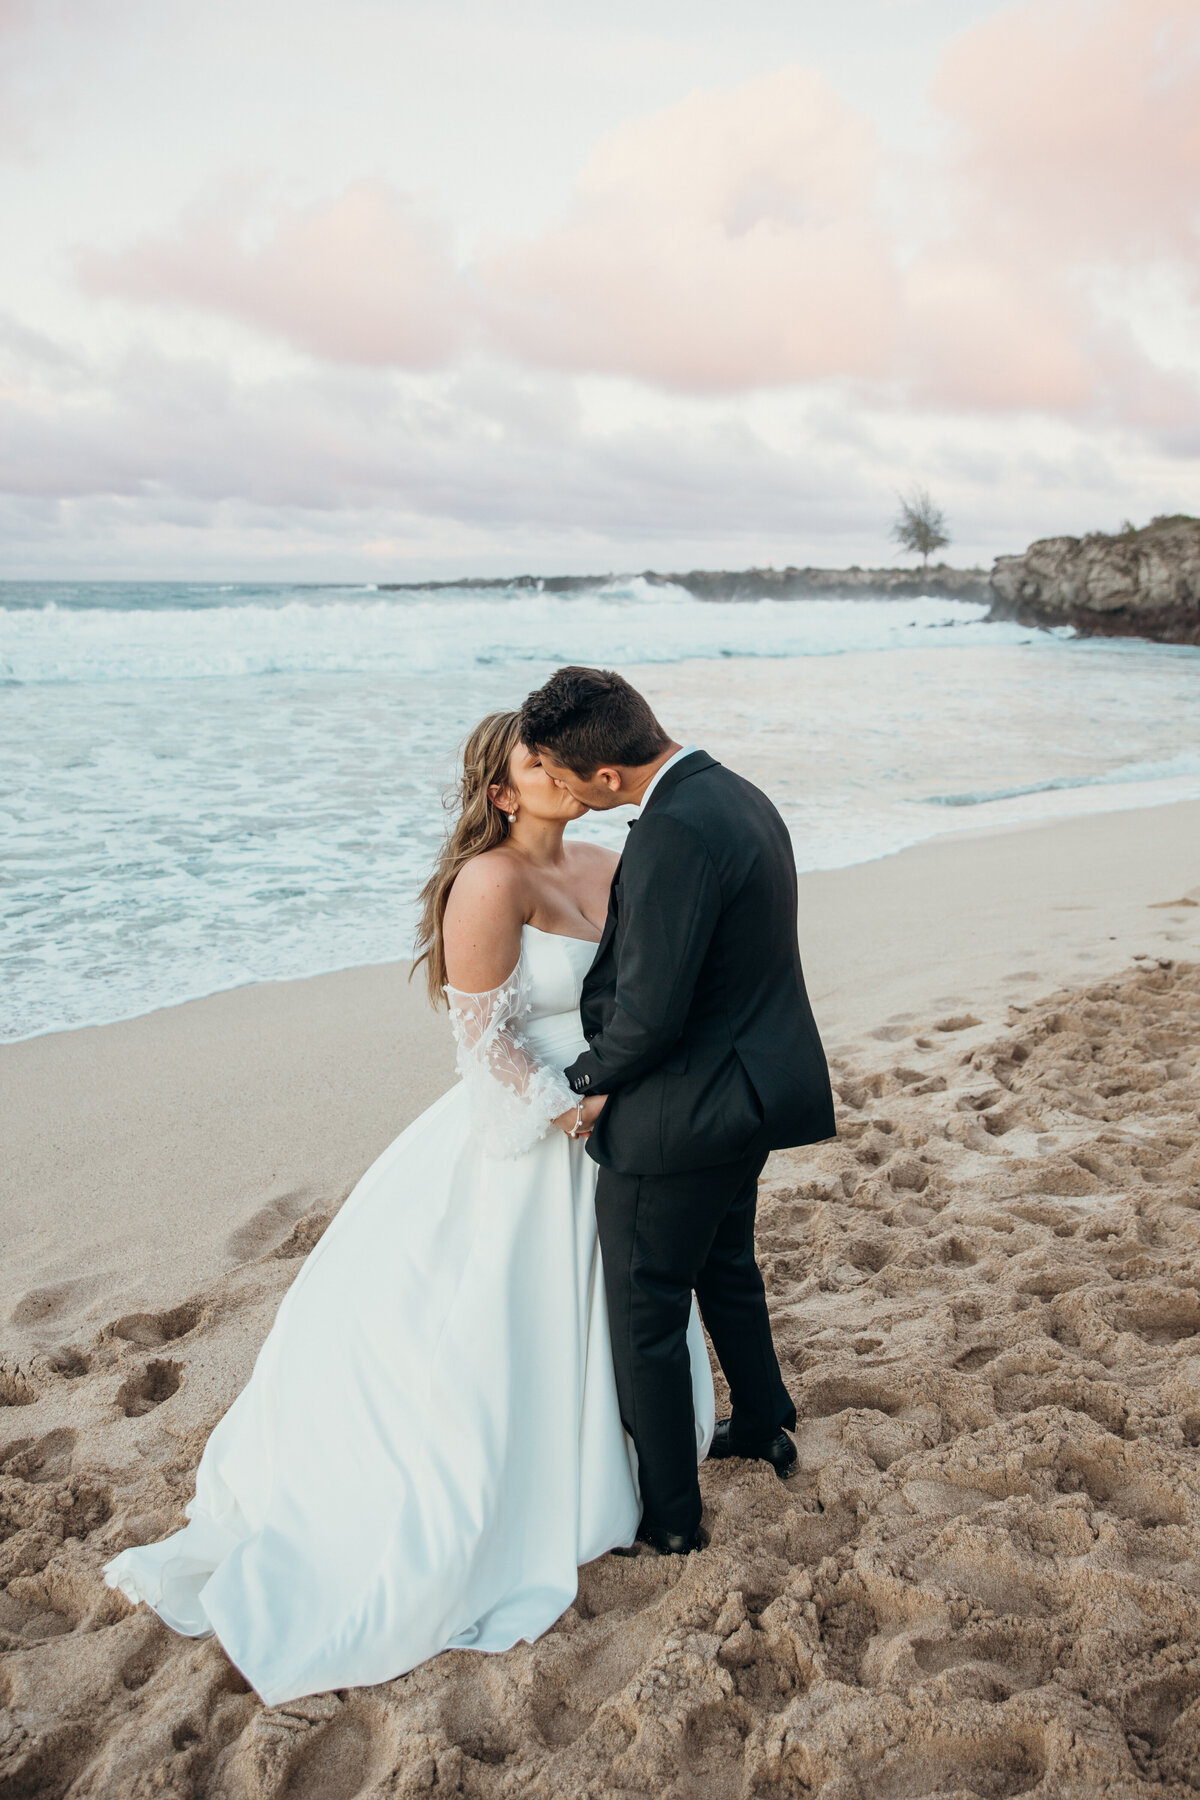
(695,1011)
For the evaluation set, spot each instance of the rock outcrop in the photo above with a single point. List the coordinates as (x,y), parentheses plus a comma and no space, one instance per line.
(1131,584)
(754,584)
(832,584)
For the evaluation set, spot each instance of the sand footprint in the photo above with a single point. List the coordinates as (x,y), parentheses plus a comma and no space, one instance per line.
(994,1764)
(265,1231)
(28,1617)
(998,1661)
(305,1234)
(148,1330)
(43,1459)
(321,1747)
(148,1387)
(333,1761)
(1159,1317)
(828,1395)
(594,1663)
(43,1303)
(1161,1717)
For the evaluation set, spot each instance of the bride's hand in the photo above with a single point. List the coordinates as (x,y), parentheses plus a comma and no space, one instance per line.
(593,1106)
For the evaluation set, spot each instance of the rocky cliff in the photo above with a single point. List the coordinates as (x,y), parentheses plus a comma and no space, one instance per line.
(1132,584)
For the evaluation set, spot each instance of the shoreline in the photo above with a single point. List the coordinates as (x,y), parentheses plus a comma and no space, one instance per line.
(951,833)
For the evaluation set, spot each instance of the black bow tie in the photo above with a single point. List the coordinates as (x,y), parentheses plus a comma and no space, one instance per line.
(629,824)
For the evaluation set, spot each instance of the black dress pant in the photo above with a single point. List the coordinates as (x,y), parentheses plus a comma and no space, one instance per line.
(661,1236)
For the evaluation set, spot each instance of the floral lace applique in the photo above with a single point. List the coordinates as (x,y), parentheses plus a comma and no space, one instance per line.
(512,1097)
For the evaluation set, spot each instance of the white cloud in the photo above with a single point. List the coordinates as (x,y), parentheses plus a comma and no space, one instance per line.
(558,221)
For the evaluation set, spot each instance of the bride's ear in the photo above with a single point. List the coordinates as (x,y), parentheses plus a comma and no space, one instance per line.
(496,794)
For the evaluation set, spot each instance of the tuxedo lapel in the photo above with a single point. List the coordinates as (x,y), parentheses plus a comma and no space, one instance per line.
(692,764)
(610,918)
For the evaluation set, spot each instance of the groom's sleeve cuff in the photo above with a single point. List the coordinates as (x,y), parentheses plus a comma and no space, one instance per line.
(579,1078)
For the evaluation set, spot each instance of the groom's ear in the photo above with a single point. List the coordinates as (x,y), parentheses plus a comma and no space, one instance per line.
(611,776)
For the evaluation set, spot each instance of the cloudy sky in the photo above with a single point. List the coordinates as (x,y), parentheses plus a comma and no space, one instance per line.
(389,289)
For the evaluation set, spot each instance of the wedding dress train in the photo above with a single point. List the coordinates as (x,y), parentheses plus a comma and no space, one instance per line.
(429,1444)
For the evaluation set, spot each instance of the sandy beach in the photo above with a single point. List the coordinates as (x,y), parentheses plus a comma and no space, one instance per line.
(985,1582)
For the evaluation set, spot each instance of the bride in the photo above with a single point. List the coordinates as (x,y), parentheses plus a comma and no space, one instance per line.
(429,1444)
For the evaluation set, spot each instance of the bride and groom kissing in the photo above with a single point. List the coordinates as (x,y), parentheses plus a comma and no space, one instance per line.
(491,1369)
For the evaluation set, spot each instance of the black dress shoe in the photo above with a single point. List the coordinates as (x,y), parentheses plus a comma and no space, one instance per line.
(778,1449)
(664,1542)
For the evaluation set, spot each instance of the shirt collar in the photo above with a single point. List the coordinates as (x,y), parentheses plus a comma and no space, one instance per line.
(659,773)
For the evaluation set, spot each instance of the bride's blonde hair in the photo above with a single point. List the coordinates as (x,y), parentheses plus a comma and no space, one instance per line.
(479,826)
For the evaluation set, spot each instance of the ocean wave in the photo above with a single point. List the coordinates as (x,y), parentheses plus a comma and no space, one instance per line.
(1187,763)
(626,622)
(171,837)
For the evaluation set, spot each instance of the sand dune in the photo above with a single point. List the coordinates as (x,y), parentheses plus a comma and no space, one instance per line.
(984,1582)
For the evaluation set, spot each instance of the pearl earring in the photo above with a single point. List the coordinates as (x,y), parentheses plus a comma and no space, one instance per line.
(512,818)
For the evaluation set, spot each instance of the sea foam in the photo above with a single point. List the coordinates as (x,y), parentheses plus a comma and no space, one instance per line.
(203,785)
(437,634)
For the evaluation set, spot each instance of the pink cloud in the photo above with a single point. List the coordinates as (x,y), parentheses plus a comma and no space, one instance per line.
(734,239)
(1078,154)
(728,240)
(1082,123)
(981,333)
(364,278)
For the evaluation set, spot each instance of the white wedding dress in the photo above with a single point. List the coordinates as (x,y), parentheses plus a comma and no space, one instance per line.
(429,1444)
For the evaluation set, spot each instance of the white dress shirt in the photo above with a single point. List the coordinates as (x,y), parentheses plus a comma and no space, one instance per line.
(659,773)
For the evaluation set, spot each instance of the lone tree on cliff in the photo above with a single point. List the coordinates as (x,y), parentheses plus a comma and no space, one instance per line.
(920,525)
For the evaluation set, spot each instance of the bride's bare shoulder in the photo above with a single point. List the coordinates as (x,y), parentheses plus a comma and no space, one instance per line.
(493,879)
(485,910)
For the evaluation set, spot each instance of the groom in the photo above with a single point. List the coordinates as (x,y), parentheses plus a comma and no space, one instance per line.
(703,1056)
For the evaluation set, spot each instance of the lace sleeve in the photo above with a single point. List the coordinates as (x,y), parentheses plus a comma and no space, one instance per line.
(512,1096)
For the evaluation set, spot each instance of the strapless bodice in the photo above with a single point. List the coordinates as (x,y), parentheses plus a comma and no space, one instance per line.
(554,970)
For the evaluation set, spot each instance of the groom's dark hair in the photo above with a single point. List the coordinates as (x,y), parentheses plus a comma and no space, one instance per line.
(586,717)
